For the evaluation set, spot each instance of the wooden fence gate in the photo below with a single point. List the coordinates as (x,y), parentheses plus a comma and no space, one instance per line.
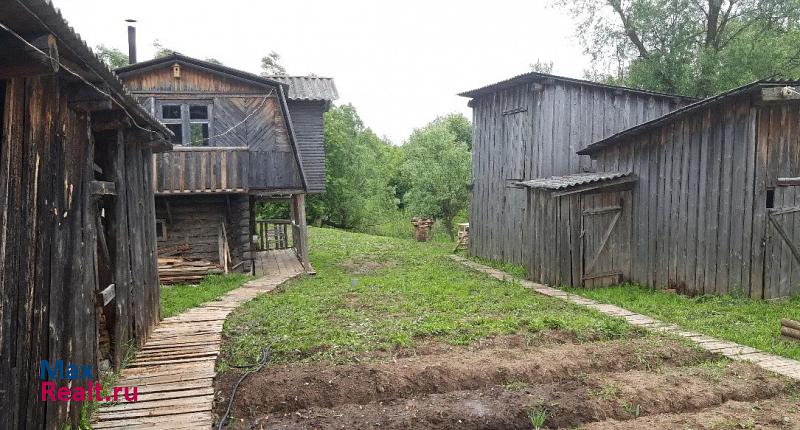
(605,239)
(782,244)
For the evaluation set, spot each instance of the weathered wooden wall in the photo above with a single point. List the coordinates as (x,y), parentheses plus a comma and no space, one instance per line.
(197,221)
(307,119)
(565,242)
(701,221)
(244,115)
(534,130)
(49,246)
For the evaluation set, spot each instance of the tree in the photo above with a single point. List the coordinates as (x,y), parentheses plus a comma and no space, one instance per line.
(161,50)
(438,168)
(113,57)
(542,66)
(357,183)
(270,65)
(214,61)
(691,47)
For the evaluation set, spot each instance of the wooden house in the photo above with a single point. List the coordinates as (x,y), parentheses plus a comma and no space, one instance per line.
(77,241)
(532,126)
(239,139)
(705,200)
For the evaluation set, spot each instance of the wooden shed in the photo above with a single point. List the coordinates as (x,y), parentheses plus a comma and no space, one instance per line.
(712,204)
(532,126)
(77,243)
(237,142)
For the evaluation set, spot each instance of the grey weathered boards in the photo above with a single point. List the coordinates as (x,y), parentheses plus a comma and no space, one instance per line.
(532,126)
(76,214)
(717,205)
(240,138)
(579,229)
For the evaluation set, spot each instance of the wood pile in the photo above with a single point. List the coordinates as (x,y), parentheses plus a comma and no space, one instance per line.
(422,228)
(790,329)
(175,270)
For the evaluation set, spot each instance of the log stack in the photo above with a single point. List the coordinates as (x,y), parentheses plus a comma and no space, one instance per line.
(175,270)
(790,329)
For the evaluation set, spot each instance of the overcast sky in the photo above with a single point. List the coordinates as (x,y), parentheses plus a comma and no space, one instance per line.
(399,63)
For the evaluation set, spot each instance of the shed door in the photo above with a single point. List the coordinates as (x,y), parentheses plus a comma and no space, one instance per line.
(605,239)
(782,244)
(515,201)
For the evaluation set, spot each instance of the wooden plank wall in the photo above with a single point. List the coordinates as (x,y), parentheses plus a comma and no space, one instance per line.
(47,247)
(196,220)
(779,152)
(202,170)
(693,226)
(307,119)
(529,131)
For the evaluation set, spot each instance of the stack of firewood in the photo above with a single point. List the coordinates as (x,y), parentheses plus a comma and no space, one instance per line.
(422,228)
(790,329)
(174,270)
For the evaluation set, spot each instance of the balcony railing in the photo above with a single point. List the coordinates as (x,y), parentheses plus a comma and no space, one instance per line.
(194,170)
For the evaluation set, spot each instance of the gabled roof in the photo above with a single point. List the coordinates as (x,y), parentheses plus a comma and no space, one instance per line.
(179,58)
(308,88)
(678,113)
(40,16)
(543,77)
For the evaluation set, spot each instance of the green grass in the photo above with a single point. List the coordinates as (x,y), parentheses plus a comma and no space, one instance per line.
(413,292)
(397,224)
(177,298)
(750,322)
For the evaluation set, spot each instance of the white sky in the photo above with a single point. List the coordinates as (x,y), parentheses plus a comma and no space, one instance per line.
(399,63)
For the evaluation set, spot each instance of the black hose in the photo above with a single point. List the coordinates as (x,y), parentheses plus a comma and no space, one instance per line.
(253,368)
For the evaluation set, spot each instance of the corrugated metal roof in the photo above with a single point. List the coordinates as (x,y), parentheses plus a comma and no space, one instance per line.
(49,19)
(539,77)
(310,88)
(719,98)
(570,181)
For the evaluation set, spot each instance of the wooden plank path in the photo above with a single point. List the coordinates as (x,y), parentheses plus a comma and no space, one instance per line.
(174,370)
(780,365)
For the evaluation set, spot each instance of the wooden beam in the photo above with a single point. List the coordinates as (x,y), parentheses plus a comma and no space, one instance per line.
(169,211)
(779,94)
(103,188)
(109,120)
(107,295)
(19,60)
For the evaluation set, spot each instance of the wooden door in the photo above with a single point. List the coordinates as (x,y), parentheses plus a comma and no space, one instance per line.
(515,201)
(605,239)
(782,242)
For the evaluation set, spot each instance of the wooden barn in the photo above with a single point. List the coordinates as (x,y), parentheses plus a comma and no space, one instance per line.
(239,139)
(705,200)
(77,243)
(532,126)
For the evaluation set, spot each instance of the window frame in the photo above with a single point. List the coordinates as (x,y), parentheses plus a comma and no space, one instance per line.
(185,121)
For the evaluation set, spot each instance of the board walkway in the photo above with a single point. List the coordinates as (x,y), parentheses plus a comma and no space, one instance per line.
(780,365)
(174,370)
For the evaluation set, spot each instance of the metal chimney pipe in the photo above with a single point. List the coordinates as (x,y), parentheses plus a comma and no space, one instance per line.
(131,41)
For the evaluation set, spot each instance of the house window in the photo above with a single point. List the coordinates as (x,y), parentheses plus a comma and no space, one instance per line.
(190,121)
(161,229)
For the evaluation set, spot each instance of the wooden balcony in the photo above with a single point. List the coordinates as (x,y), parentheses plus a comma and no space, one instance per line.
(196,170)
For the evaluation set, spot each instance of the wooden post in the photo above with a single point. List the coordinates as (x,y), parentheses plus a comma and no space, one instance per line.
(299,219)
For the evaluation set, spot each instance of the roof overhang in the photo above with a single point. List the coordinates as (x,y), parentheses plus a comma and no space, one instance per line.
(580,183)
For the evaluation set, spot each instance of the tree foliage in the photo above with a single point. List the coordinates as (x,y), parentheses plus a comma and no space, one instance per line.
(438,168)
(270,65)
(161,50)
(357,179)
(113,57)
(692,47)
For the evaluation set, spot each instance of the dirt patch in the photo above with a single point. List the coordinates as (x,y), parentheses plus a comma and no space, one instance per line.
(291,388)
(365,265)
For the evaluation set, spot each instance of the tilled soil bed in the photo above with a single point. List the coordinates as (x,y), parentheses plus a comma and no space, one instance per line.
(627,384)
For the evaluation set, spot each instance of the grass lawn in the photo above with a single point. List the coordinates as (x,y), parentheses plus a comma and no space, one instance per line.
(754,323)
(378,293)
(177,298)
